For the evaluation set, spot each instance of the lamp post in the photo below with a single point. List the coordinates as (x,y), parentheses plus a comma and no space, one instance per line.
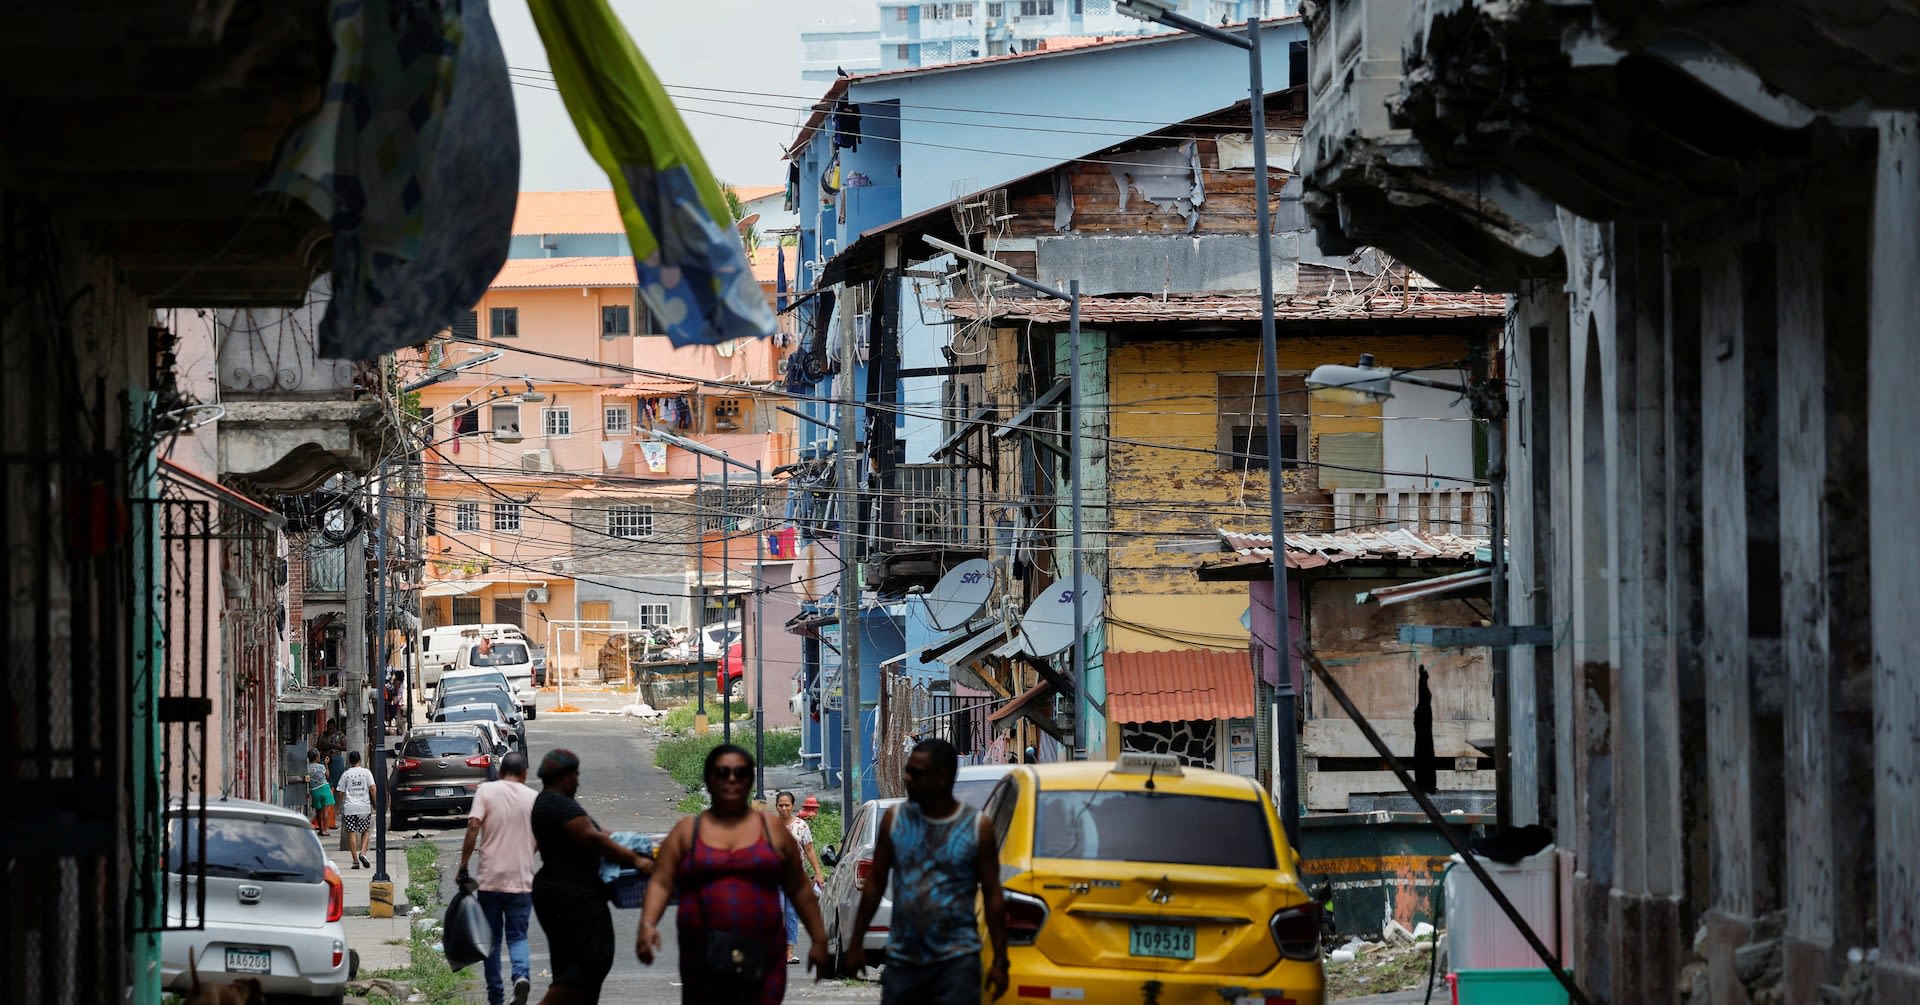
(1287,756)
(759,602)
(1072,297)
(1370,383)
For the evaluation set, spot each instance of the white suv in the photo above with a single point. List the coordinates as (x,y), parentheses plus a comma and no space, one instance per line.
(511,657)
(273,902)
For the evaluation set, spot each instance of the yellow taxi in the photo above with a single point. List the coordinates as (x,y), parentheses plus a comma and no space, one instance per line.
(1142,881)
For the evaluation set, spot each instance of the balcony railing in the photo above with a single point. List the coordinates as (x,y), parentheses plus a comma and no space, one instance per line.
(1467,512)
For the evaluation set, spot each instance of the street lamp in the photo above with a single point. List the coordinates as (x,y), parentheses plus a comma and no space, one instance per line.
(1162,12)
(1072,297)
(1368,383)
(727,462)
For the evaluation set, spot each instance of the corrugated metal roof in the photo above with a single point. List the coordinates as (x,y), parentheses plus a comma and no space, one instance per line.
(589,211)
(1428,589)
(1312,551)
(1025,703)
(1179,685)
(1418,305)
(542,273)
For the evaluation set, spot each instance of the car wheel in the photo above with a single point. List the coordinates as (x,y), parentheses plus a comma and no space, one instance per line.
(399,821)
(738,690)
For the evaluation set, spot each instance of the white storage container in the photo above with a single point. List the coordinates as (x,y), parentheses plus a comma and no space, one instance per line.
(1479,936)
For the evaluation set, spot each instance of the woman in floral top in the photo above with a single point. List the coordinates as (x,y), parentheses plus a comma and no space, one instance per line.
(803,836)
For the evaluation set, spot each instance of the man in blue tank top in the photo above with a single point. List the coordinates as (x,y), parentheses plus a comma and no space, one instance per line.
(936,851)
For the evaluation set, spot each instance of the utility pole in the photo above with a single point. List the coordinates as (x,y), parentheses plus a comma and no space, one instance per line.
(379,757)
(849,509)
(354,686)
(700,602)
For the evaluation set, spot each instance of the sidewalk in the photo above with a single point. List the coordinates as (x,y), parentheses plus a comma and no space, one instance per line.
(381,942)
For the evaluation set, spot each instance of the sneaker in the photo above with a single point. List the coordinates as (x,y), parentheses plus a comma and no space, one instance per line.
(521,988)
(364,864)
(353,865)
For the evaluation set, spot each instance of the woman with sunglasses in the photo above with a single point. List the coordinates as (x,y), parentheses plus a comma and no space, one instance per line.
(729,866)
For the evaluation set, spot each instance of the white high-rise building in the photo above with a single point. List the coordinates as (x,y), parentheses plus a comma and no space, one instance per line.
(912,33)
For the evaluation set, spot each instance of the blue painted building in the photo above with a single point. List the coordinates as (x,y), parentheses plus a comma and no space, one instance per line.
(903,147)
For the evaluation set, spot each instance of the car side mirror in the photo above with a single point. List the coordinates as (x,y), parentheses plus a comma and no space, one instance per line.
(500,748)
(829,857)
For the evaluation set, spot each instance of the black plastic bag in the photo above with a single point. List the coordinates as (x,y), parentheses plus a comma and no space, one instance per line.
(466,935)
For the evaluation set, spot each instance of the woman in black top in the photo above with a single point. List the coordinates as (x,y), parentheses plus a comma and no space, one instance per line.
(568,897)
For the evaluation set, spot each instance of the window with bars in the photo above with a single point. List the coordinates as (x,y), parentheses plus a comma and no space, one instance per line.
(903,51)
(504,322)
(996,10)
(557,421)
(466,516)
(963,10)
(653,615)
(616,321)
(1242,422)
(1036,8)
(617,420)
(507,517)
(630,521)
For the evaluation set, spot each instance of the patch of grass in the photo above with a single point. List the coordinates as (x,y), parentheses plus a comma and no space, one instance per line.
(427,970)
(680,719)
(685,756)
(692,802)
(783,746)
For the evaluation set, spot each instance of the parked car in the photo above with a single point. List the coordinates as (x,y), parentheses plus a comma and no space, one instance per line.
(539,653)
(451,697)
(500,741)
(975,782)
(1109,891)
(730,680)
(436,772)
(851,862)
(511,657)
(273,902)
(440,647)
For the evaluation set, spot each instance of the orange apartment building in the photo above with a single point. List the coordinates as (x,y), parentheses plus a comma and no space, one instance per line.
(548,500)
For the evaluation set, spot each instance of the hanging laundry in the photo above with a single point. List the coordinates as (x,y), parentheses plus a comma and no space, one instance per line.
(791,202)
(412,165)
(846,127)
(692,268)
(830,181)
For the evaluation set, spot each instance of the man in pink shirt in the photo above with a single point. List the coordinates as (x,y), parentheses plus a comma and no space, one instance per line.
(501,826)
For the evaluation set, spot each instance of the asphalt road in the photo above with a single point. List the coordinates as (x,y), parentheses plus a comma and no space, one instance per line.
(622,789)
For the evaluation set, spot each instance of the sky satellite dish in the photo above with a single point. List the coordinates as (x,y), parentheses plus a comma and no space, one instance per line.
(960,595)
(1047,627)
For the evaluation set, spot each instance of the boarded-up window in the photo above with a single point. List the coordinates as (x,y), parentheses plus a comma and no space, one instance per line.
(1242,441)
(466,611)
(510,611)
(1350,461)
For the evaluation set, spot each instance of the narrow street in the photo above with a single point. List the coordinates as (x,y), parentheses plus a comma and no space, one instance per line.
(622,789)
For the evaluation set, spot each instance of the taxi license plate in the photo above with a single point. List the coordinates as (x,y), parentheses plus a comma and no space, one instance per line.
(1173,942)
(249,961)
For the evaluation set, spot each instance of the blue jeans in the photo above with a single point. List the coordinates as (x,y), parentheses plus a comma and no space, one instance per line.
(792,917)
(507,916)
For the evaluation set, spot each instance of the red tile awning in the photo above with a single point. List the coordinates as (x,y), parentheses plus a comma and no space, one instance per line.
(1179,686)
(650,389)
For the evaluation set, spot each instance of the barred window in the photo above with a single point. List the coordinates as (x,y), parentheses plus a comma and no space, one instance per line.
(506,517)
(630,521)
(466,516)
(652,615)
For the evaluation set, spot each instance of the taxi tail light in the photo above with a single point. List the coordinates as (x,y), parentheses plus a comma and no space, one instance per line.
(860,871)
(1296,930)
(336,896)
(1025,914)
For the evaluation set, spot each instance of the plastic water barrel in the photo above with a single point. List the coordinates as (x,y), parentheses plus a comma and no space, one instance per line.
(1479,936)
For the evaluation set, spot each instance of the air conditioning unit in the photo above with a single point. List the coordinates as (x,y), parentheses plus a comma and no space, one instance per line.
(536,595)
(537,460)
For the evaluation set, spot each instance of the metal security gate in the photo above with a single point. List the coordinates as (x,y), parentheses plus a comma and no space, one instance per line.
(64,546)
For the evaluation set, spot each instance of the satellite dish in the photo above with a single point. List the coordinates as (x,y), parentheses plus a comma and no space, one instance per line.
(960,595)
(1047,627)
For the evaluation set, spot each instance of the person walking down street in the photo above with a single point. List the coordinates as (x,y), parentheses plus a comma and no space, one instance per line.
(936,851)
(568,897)
(320,791)
(357,792)
(500,826)
(730,865)
(803,837)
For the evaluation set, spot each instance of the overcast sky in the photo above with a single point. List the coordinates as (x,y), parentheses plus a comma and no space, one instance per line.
(738,45)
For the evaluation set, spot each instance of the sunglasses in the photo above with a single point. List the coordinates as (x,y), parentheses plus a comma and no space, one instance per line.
(739,773)
(913,772)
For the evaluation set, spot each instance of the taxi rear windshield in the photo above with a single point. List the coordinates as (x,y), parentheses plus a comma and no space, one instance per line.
(1154,827)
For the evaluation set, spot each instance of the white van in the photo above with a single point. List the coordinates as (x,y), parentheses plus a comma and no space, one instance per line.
(512,657)
(441,646)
